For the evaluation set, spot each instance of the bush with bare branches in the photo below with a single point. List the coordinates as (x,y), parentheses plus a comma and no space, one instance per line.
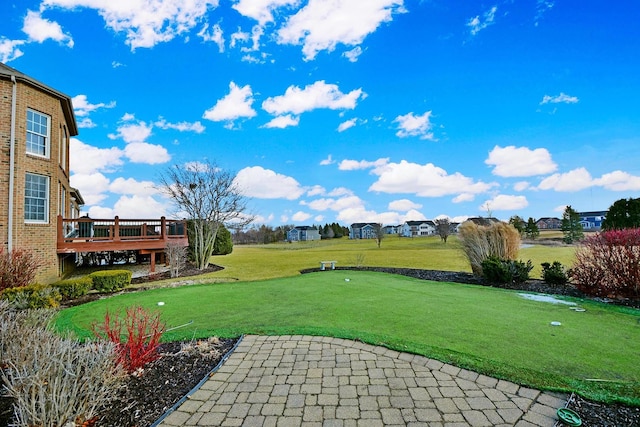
(54,381)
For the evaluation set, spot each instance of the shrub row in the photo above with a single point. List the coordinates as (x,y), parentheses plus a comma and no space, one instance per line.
(49,296)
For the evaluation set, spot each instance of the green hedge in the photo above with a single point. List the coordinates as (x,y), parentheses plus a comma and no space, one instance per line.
(110,280)
(32,296)
(74,288)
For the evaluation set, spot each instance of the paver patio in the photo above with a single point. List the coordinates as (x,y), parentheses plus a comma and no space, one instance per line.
(320,381)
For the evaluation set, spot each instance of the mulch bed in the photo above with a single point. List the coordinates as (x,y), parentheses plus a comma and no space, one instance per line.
(144,399)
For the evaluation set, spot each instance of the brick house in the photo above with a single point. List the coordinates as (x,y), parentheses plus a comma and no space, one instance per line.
(549,223)
(36,123)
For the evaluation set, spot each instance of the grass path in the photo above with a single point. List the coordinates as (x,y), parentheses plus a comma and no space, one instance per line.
(489,330)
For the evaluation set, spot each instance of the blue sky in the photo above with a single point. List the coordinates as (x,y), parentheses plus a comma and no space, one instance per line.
(345,110)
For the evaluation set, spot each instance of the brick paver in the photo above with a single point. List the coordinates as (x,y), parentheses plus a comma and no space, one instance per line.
(308,381)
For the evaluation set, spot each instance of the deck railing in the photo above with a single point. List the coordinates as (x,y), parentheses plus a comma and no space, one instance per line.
(84,229)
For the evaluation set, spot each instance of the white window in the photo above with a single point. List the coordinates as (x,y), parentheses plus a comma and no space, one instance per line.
(37,133)
(36,198)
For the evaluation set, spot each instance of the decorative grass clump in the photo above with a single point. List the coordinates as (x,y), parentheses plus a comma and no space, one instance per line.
(480,242)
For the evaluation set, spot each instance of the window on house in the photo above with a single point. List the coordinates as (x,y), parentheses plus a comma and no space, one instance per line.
(37,133)
(36,198)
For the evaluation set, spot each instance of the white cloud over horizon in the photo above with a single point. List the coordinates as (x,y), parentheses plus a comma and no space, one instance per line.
(262,183)
(514,161)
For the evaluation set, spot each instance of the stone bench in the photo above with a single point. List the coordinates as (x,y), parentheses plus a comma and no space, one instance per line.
(323,265)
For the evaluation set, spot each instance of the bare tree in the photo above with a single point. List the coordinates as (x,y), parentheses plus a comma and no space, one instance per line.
(378,232)
(209,197)
(443,228)
(176,256)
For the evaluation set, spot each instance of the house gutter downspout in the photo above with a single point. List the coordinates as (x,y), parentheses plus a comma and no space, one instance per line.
(12,149)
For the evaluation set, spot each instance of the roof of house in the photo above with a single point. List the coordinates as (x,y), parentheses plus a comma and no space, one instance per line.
(594,213)
(425,221)
(483,221)
(363,224)
(303,227)
(65,100)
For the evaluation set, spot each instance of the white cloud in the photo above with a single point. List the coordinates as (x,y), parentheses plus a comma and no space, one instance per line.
(145,23)
(323,24)
(316,190)
(353,54)
(521,185)
(216,35)
(261,10)
(139,207)
(464,197)
(300,216)
(424,180)
(82,107)
(86,123)
(575,180)
(347,124)
(503,202)
(560,208)
(93,159)
(476,24)
(101,212)
(266,184)
(340,191)
(619,181)
(235,105)
(559,99)
(282,122)
(542,6)
(349,165)
(10,50)
(143,152)
(327,161)
(132,132)
(196,127)
(316,95)
(412,125)
(403,205)
(238,36)
(514,161)
(131,186)
(92,186)
(39,29)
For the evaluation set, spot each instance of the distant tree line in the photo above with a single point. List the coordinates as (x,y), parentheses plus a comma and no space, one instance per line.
(332,231)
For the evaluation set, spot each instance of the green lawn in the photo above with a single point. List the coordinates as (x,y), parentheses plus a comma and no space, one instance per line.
(489,330)
(259,262)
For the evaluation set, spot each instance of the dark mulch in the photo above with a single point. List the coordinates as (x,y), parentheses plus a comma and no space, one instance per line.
(144,399)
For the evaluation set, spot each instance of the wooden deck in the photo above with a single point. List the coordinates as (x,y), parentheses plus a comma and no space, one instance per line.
(146,236)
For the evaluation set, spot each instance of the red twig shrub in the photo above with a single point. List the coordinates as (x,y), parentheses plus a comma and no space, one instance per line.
(136,337)
(608,264)
(17,268)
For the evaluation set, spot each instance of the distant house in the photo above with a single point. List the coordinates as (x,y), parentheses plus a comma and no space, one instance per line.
(303,233)
(418,228)
(392,229)
(592,220)
(363,230)
(548,223)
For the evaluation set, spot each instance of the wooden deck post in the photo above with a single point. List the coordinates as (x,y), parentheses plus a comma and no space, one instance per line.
(60,232)
(116,232)
(163,228)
